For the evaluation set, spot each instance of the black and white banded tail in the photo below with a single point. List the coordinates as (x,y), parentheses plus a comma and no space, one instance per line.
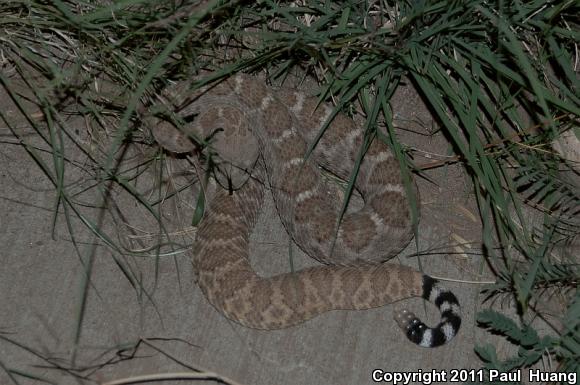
(448,305)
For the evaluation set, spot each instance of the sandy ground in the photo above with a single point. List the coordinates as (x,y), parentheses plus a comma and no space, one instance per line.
(145,315)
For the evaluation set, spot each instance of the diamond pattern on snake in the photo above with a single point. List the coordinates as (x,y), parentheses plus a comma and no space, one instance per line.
(262,136)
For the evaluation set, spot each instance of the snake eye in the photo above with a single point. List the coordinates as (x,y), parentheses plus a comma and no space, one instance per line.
(189,118)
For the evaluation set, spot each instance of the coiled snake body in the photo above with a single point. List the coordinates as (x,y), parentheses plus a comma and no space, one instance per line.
(262,132)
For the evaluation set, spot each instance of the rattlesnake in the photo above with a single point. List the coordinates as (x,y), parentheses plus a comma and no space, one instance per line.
(255,129)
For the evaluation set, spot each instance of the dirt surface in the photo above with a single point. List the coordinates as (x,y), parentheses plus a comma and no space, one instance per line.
(155,300)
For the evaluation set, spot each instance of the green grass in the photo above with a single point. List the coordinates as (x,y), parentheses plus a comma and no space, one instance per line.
(501,78)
